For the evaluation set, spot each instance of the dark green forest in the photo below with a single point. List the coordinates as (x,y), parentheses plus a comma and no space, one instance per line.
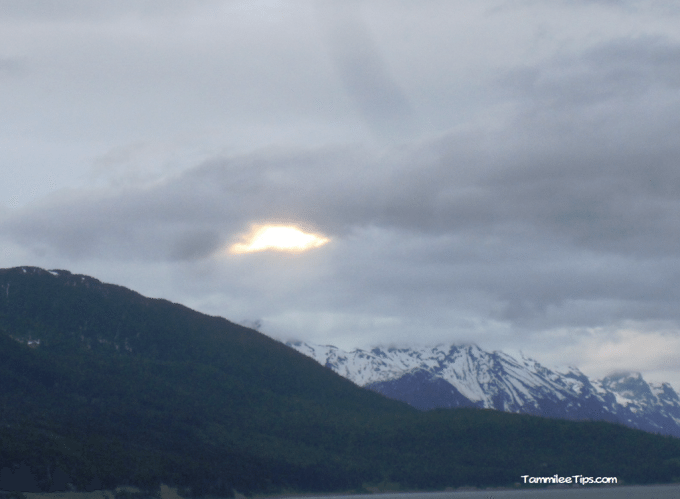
(127,390)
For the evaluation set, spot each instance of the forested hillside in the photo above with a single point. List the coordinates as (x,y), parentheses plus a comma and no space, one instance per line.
(100,386)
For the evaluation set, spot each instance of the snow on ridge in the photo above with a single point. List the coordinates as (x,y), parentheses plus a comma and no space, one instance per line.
(499,381)
(471,370)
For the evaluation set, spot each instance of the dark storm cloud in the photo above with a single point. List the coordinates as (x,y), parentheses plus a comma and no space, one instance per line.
(194,244)
(166,223)
(604,170)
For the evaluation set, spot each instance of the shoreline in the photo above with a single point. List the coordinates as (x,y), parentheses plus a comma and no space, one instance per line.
(167,492)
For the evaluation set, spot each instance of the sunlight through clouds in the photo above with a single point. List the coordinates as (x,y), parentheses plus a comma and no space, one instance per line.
(503,173)
(278,238)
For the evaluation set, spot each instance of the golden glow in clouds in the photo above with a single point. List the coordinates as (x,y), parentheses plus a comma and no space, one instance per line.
(278,238)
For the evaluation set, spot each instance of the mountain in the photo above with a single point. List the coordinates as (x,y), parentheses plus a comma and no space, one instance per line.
(467,376)
(101,387)
(118,388)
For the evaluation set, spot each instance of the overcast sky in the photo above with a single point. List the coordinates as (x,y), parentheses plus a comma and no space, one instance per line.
(499,172)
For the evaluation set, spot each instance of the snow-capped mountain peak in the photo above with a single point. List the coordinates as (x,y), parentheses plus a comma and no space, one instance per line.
(466,375)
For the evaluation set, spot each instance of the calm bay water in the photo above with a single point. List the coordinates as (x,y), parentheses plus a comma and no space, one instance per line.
(613,492)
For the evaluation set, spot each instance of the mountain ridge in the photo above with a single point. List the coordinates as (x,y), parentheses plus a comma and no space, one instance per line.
(102,387)
(467,376)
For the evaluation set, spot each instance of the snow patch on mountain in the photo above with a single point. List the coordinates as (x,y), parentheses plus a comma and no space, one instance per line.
(466,375)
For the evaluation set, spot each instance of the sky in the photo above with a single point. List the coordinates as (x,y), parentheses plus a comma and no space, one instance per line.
(498,172)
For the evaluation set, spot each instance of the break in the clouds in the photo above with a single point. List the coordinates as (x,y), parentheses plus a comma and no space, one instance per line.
(499,172)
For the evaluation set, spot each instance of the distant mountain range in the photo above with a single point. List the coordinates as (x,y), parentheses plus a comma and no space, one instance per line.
(102,387)
(467,376)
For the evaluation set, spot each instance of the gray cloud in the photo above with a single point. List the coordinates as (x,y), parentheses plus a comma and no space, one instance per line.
(544,232)
(540,207)
(615,71)
(366,77)
(11,66)
(82,9)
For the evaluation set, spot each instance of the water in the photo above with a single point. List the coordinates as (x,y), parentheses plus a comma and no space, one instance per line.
(585,492)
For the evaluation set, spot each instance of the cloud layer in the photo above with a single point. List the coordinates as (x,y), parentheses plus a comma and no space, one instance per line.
(499,172)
